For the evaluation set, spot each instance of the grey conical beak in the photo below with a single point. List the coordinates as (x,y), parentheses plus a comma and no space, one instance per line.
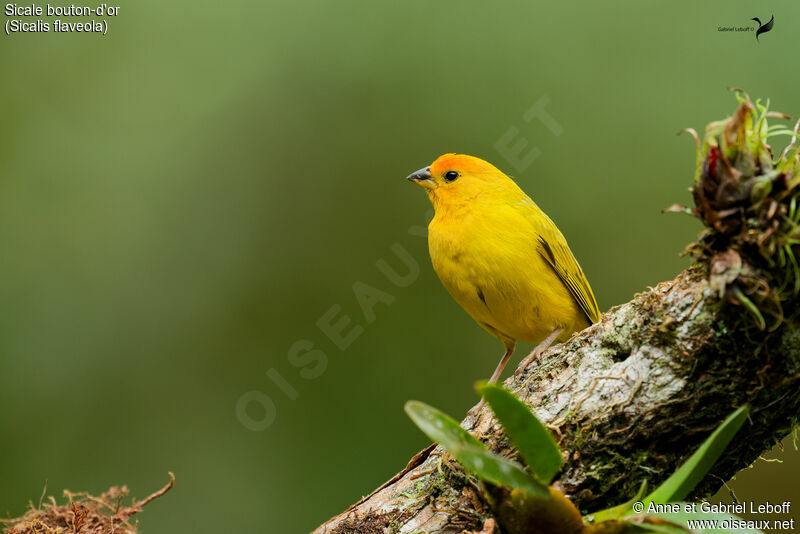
(422,175)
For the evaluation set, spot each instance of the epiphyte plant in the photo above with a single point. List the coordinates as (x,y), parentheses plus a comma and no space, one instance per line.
(522,499)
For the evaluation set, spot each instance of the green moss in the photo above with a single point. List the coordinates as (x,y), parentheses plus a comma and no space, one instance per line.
(791,339)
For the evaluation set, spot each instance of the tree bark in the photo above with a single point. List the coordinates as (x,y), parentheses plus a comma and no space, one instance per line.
(628,399)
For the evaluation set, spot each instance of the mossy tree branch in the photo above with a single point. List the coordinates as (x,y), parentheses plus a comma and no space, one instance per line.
(631,397)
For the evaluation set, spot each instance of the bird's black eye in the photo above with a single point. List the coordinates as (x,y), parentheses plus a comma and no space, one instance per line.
(449,176)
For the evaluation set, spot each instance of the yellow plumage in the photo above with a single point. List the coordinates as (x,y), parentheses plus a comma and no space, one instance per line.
(501,257)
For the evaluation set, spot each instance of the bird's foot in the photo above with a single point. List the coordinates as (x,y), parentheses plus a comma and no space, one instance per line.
(537,352)
(530,358)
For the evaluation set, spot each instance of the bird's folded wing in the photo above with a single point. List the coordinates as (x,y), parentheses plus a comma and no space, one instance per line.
(553,247)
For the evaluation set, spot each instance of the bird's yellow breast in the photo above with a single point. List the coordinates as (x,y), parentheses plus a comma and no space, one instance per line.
(485,253)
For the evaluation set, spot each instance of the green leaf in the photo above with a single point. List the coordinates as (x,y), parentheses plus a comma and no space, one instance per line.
(619,511)
(679,523)
(497,470)
(688,475)
(470,452)
(642,525)
(439,426)
(641,528)
(531,438)
(683,518)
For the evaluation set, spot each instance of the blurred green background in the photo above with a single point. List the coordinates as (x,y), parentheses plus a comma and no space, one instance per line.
(182,200)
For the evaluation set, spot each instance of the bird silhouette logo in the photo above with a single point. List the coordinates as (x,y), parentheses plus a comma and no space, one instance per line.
(763,28)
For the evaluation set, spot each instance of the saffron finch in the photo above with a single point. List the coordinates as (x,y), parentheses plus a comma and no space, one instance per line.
(501,257)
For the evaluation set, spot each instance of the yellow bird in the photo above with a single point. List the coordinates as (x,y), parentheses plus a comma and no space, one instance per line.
(502,258)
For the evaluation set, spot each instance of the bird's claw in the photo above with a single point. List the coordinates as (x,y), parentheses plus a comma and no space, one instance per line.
(533,356)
